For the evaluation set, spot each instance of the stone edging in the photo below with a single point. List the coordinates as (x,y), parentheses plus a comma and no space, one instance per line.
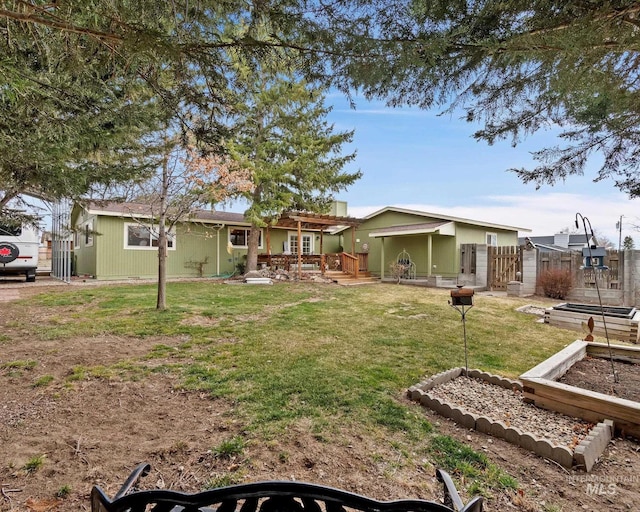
(584,456)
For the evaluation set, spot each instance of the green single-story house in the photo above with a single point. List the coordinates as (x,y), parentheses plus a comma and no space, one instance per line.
(115,240)
(431,242)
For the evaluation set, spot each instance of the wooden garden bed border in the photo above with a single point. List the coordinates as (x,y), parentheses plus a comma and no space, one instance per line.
(540,387)
(624,329)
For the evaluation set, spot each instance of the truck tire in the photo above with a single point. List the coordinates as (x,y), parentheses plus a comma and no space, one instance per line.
(8,252)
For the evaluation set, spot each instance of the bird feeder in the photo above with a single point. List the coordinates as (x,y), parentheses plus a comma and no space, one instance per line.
(462,297)
(594,257)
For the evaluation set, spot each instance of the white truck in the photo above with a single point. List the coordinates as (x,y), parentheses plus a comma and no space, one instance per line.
(19,246)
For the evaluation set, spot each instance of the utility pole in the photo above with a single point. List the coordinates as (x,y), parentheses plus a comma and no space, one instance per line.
(619,228)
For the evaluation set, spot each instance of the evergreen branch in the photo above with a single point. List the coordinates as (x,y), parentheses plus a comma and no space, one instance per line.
(627,13)
(60,25)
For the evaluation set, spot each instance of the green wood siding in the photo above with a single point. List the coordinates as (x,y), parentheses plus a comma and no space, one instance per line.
(84,256)
(445,249)
(330,244)
(469,234)
(109,259)
(194,243)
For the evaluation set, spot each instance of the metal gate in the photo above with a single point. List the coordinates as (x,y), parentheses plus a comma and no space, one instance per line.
(61,240)
(505,264)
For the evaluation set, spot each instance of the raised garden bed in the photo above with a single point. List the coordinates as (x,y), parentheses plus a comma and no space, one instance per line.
(582,451)
(622,322)
(541,387)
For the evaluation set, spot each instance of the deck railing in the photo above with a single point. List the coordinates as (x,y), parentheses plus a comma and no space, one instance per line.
(363,261)
(350,264)
(284,261)
(343,261)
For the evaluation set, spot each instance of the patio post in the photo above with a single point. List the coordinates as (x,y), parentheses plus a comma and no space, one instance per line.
(353,240)
(429,253)
(321,252)
(299,251)
(269,244)
(382,258)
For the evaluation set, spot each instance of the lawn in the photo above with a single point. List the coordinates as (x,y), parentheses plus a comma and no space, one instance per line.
(290,380)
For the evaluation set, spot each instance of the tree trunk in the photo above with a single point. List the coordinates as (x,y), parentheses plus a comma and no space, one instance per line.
(252,248)
(161,302)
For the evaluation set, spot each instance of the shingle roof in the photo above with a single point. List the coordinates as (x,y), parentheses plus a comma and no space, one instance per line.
(146,211)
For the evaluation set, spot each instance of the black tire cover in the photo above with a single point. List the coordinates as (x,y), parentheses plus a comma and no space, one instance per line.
(8,252)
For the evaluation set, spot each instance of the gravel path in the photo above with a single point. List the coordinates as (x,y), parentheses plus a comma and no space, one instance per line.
(479,397)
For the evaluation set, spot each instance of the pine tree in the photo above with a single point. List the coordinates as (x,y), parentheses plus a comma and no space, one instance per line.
(67,123)
(292,152)
(517,66)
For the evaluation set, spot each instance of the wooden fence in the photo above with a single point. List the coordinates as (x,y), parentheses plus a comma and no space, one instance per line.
(609,278)
(505,265)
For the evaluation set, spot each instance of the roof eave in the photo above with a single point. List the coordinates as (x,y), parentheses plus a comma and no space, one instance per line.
(447,217)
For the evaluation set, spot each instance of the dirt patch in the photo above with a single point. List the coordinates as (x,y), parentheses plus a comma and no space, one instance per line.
(595,374)
(96,431)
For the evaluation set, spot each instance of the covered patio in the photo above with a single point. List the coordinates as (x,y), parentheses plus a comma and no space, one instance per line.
(348,262)
(425,229)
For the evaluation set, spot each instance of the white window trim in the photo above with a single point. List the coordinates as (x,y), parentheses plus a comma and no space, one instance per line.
(78,235)
(292,234)
(153,229)
(87,233)
(246,237)
(494,237)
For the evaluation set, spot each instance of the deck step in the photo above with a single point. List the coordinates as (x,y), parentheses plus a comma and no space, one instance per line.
(348,280)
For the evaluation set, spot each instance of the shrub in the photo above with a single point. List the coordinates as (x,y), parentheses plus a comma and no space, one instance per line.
(398,270)
(555,283)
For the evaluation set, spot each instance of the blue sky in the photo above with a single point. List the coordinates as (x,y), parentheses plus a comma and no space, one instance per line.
(416,159)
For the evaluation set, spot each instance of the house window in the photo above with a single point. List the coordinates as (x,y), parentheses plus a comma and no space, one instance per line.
(138,236)
(307,244)
(88,234)
(492,239)
(239,238)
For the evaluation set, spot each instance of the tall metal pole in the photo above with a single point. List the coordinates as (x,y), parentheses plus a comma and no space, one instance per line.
(464,334)
(463,313)
(586,221)
(620,234)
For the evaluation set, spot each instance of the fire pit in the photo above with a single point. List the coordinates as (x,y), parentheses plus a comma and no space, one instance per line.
(622,322)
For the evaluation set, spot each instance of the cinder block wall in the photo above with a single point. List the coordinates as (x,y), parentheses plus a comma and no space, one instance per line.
(482,265)
(529,272)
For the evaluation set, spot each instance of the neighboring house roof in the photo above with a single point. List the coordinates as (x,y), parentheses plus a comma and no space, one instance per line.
(443,228)
(549,247)
(443,217)
(560,242)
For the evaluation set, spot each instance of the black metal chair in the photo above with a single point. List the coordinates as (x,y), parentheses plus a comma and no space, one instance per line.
(273,496)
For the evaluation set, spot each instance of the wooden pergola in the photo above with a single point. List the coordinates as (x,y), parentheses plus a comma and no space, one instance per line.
(313,222)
